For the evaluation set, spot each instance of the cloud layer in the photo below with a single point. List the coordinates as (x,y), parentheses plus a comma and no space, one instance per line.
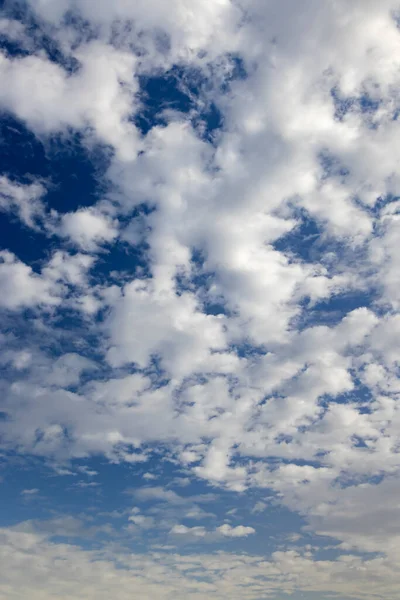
(226,301)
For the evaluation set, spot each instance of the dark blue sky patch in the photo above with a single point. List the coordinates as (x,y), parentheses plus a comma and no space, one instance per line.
(364,104)
(12,48)
(246,349)
(22,155)
(360,396)
(160,93)
(122,262)
(331,311)
(70,169)
(208,122)
(54,333)
(72,173)
(76,172)
(181,91)
(29,246)
(167,91)
(215,308)
(303,240)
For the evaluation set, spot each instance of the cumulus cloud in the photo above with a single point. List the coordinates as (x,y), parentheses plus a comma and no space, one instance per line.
(183,530)
(22,200)
(238,531)
(86,228)
(231,300)
(99,94)
(223,530)
(21,286)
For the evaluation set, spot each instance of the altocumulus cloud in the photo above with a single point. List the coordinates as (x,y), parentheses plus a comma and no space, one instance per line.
(199,208)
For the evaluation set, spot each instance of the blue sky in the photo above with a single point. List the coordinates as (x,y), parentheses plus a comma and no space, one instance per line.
(199,307)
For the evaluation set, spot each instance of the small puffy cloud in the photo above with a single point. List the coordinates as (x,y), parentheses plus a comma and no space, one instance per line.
(12,29)
(238,531)
(158,494)
(197,513)
(21,287)
(167,325)
(142,521)
(67,370)
(259,507)
(88,228)
(223,530)
(183,530)
(68,268)
(86,471)
(22,200)
(149,476)
(30,492)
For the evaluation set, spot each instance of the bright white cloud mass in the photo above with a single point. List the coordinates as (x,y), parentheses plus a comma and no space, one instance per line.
(199,299)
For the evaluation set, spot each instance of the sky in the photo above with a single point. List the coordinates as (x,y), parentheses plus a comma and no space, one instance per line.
(199,299)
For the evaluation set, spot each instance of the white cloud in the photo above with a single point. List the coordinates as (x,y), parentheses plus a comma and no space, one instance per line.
(30,492)
(87,228)
(159,494)
(68,268)
(169,326)
(190,29)
(183,530)
(149,476)
(259,507)
(22,200)
(238,531)
(99,95)
(197,513)
(12,29)
(21,287)
(142,521)
(223,530)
